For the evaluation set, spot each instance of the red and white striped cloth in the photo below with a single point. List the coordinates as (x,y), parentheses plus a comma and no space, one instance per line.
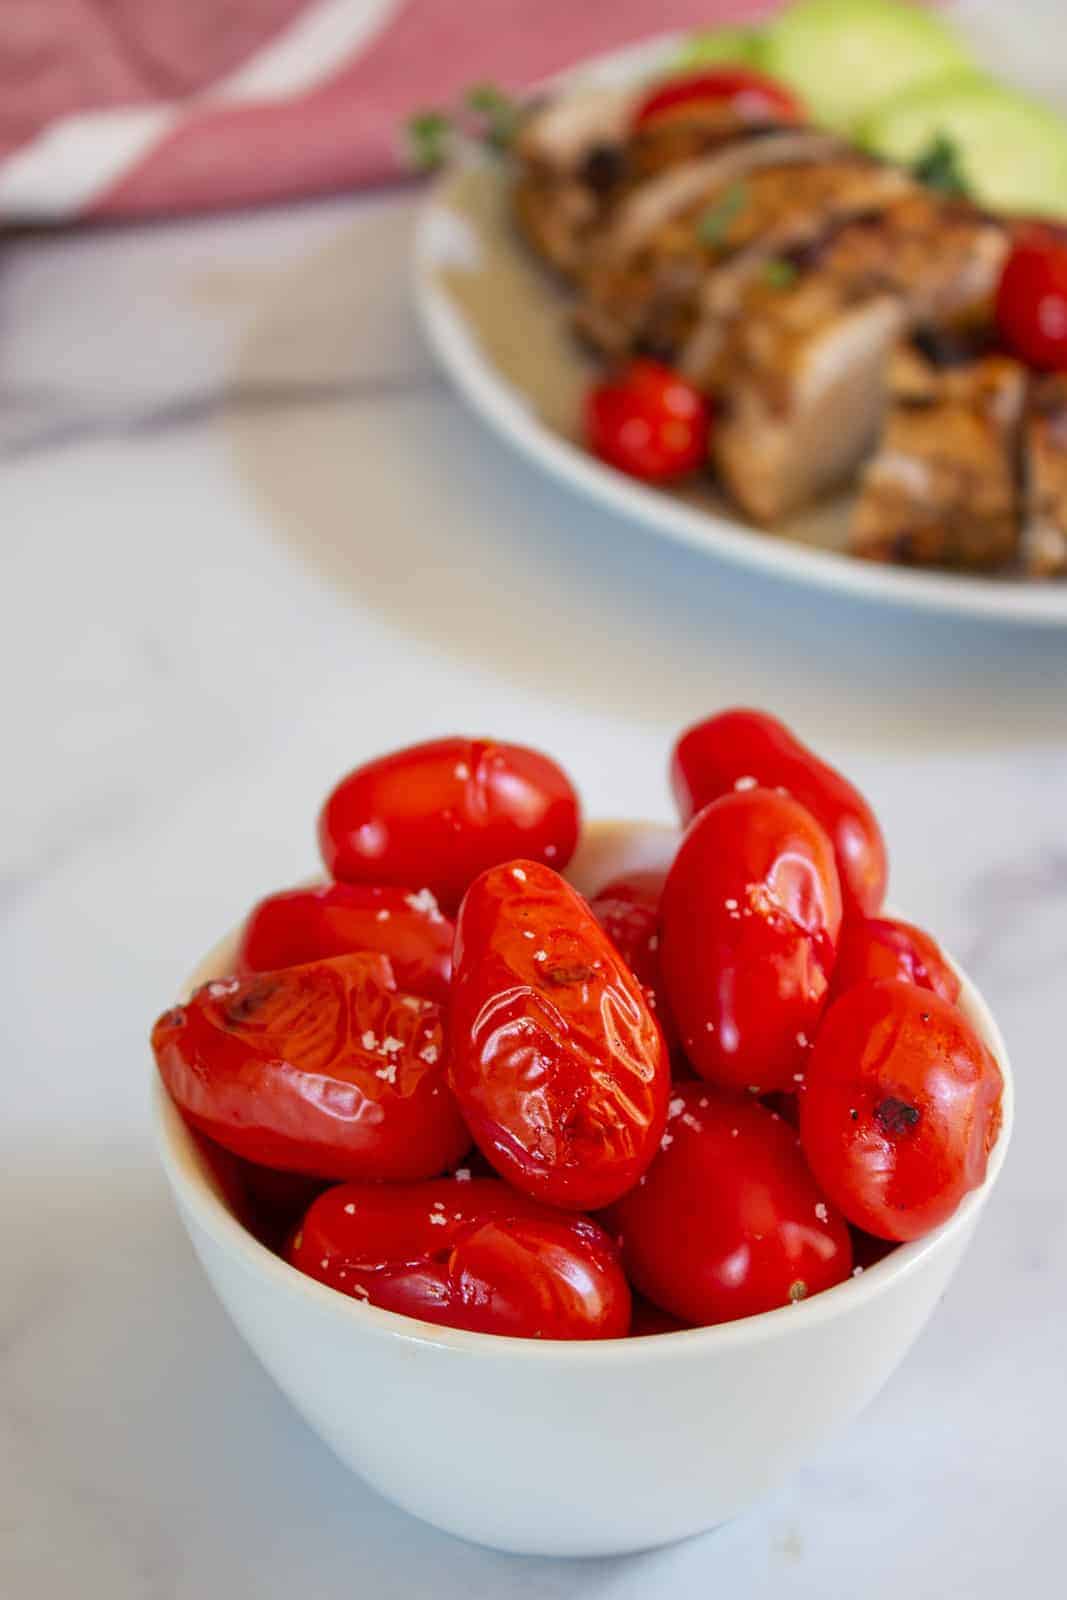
(113,108)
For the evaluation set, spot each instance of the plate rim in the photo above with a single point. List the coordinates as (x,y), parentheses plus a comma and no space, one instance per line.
(506,412)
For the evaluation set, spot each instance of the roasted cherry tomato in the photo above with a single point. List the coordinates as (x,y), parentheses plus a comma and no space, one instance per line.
(470,1255)
(901,1107)
(883,947)
(739,749)
(752,96)
(648,422)
(628,911)
(557,1061)
(324,1069)
(338,919)
(750,919)
(436,815)
(1031,306)
(728,1220)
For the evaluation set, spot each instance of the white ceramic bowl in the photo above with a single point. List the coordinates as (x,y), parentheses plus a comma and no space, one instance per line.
(572,1449)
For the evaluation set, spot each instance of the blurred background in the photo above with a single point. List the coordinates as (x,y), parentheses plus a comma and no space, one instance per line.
(252,537)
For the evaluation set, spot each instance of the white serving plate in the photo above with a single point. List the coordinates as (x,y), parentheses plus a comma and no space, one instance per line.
(572,1449)
(484,303)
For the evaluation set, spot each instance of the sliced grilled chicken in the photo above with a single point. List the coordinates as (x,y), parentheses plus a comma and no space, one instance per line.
(943,488)
(805,392)
(571,156)
(672,295)
(1044,464)
(809,368)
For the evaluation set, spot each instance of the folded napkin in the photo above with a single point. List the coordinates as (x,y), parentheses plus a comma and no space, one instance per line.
(112,108)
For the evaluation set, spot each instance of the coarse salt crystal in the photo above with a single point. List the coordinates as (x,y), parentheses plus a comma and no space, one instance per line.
(747,782)
(387,1073)
(528,933)
(676,1107)
(821,1211)
(390,1044)
(429,1054)
(462,771)
(438,1205)
(463,1174)
(424,900)
(666,1142)
(350,1209)
(369,1040)
(518,874)
(798,1077)
(438,1217)
(382,916)
(731,905)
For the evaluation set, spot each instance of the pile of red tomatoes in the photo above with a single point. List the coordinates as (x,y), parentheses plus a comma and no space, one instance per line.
(446,1084)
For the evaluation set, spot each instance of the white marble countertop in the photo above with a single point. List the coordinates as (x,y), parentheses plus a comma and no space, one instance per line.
(251,538)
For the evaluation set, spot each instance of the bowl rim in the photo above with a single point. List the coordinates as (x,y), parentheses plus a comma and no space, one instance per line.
(198,1196)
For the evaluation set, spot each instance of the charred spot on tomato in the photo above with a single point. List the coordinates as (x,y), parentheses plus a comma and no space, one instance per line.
(895,1116)
(575,973)
(175,1018)
(246,1005)
(798,1290)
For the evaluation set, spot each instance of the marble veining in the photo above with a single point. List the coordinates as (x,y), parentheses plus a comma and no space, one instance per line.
(250,538)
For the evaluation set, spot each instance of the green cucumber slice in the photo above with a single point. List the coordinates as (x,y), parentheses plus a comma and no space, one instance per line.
(1012,150)
(845,56)
(742,47)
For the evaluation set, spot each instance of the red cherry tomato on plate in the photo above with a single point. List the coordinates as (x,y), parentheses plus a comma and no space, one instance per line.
(728,1221)
(470,1255)
(753,96)
(648,422)
(1031,304)
(338,919)
(557,1062)
(901,1107)
(436,815)
(750,919)
(884,947)
(739,749)
(628,911)
(324,1069)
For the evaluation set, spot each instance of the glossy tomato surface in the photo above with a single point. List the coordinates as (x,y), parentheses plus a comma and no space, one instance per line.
(901,1107)
(436,815)
(751,95)
(338,919)
(324,1069)
(628,911)
(473,1255)
(740,749)
(557,1061)
(1031,304)
(648,422)
(728,1221)
(750,918)
(885,947)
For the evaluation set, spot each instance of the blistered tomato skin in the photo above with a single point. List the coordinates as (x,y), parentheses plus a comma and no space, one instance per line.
(750,919)
(901,1107)
(323,1069)
(728,1221)
(557,1062)
(472,1255)
(435,815)
(628,911)
(337,919)
(743,748)
(884,947)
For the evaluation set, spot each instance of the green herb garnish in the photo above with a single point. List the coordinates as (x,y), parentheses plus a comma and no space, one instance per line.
(715,224)
(939,167)
(498,111)
(428,136)
(779,273)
